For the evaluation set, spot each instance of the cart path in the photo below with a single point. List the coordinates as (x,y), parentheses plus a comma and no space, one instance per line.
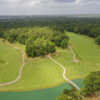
(20,70)
(74,55)
(64,73)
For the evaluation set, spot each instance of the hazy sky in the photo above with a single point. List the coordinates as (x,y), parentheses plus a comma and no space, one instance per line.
(31,7)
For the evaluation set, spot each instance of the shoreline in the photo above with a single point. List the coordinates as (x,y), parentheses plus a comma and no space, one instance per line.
(37,89)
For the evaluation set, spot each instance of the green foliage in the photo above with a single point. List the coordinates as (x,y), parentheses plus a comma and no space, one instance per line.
(38,40)
(98,40)
(50,47)
(11,35)
(64,43)
(39,47)
(60,39)
(51,29)
(69,95)
(92,84)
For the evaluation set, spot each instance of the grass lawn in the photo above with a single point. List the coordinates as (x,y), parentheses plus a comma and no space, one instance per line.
(41,72)
(87,52)
(37,74)
(10,62)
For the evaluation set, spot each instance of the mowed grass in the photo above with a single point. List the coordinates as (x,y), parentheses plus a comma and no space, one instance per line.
(42,73)
(37,74)
(10,62)
(87,52)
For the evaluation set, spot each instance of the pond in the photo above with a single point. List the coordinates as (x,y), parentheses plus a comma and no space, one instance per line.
(45,94)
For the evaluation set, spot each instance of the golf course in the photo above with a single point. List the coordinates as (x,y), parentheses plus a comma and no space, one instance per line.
(41,72)
(49,49)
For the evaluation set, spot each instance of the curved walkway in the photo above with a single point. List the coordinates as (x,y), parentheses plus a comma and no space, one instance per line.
(20,71)
(74,55)
(23,63)
(64,73)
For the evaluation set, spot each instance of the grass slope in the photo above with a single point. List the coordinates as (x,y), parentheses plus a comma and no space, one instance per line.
(87,52)
(38,73)
(10,62)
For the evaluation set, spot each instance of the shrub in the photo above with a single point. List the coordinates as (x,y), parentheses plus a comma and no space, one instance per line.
(64,43)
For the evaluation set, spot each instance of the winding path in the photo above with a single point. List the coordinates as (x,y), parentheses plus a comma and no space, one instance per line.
(64,73)
(22,67)
(74,55)
(20,70)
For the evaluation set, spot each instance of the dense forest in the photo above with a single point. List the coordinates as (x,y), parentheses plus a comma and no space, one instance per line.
(42,34)
(86,26)
(39,41)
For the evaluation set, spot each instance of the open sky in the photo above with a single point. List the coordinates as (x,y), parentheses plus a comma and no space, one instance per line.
(46,7)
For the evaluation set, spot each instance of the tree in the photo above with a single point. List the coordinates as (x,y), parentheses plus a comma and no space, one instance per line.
(50,47)
(64,43)
(11,35)
(60,39)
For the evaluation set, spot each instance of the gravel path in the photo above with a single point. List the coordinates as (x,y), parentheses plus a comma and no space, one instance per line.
(74,55)
(64,73)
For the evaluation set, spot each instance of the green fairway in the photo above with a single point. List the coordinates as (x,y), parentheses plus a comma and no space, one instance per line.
(38,74)
(10,62)
(41,72)
(87,52)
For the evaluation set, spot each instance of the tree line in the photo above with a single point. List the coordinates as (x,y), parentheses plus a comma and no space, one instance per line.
(85,26)
(39,41)
(45,33)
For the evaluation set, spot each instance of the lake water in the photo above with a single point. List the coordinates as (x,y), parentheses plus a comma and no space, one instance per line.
(45,94)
